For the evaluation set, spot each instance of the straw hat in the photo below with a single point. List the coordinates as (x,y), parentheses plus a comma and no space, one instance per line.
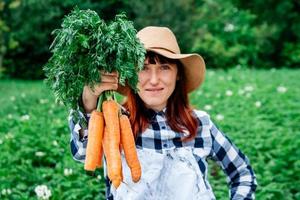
(162,41)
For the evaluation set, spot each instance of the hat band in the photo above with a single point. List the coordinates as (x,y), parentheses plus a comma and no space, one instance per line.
(160,48)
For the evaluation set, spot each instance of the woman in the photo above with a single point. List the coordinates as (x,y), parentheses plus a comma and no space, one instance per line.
(173,140)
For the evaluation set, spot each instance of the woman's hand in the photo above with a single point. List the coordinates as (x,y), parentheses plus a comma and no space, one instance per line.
(89,97)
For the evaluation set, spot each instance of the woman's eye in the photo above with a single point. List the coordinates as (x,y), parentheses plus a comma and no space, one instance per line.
(145,67)
(165,67)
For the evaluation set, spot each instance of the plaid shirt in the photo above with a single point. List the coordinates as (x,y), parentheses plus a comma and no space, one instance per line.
(210,142)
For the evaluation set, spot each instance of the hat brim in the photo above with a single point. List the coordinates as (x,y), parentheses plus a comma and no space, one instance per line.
(194,69)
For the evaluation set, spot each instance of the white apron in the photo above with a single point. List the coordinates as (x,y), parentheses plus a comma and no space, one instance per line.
(171,175)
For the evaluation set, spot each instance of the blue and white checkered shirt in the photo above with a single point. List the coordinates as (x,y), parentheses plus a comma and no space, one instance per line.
(210,142)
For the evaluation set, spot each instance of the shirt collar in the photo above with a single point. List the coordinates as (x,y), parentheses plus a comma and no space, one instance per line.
(151,114)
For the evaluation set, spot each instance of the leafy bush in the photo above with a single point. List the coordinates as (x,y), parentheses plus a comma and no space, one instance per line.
(282,22)
(227,33)
(226,37)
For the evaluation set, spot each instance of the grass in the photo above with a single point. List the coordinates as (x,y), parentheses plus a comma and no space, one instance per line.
(258,109)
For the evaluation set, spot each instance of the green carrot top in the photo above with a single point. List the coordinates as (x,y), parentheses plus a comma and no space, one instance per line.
(83,46)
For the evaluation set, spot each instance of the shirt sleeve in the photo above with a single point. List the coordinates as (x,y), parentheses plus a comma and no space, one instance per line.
(78,141)
(235,164)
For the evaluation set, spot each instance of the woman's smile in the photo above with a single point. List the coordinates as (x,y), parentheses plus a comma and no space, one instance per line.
(154,90)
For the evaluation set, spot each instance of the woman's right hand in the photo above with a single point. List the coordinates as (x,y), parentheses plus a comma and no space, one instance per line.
(89,97)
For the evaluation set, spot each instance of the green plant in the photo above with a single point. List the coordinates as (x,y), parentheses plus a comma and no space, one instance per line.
(34,136)
(83,46)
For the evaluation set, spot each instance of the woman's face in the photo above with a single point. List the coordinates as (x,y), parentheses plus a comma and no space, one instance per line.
(156,84)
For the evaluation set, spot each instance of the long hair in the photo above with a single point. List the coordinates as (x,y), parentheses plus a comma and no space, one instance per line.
(179,114)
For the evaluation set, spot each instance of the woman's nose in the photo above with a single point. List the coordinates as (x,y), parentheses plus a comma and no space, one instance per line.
(154,77)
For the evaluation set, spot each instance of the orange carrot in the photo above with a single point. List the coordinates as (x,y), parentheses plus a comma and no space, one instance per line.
(116,179)
(128,145)
(99,159)
(112,141)
(95,136)
(105,145)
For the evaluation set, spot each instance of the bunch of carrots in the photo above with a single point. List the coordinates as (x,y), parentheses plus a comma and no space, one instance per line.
(84,45)
(108,130)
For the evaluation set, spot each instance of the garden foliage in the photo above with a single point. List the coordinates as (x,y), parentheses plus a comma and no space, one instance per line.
(259,114)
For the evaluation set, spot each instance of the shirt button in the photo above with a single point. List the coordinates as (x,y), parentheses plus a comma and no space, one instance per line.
(165,145)
(163,127)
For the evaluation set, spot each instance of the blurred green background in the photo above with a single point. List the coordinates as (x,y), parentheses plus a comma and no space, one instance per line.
(252,52)
(260,34)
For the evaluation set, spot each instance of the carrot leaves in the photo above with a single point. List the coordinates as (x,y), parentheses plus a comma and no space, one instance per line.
(84,45)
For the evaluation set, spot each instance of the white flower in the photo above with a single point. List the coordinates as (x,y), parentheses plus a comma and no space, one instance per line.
(221,78)
(99,177)
(68,172)
(40,154)
(9,136)
(57,121)
(229,27)
(258,104)
(219,117)
(12,98)
(43,101)
(207,95)
(241,91)
(199,92)
(25,118)
(1,141)
(55,143)
(9,116)
(229,93)
(248,88)
(281,89)
(207,107)
(6,191)
(238,66)
(3,192)
(42,192)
